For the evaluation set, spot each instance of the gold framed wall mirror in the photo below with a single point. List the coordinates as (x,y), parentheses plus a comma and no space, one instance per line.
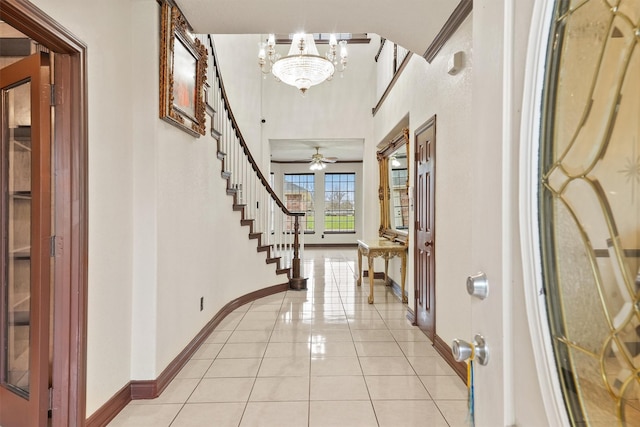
(393,193)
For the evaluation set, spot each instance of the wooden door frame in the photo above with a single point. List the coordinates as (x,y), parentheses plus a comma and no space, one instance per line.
(69,151)
(431,122)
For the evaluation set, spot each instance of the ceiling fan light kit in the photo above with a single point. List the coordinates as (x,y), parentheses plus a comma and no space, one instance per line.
(319,162)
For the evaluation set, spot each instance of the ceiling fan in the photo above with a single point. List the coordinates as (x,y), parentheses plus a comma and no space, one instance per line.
(318,161)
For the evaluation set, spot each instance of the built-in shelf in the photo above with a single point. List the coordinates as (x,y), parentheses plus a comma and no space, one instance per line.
(23,253)
(21,299)
(22,133)
(22,137)
(20,318)
(22,145)
(20,195)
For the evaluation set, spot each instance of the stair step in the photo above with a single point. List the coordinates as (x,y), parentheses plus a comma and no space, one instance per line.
(236,192)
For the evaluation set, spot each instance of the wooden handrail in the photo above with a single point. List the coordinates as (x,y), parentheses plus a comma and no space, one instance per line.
(243,143)
(293,270)
(392,83)
(382,40)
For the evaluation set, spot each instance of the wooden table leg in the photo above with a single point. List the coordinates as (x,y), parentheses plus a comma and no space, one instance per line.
(359,282)
(371,276)
(386,271)
(403,273)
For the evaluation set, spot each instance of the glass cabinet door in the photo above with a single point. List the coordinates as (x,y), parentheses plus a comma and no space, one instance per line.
(17,228)
(25,174)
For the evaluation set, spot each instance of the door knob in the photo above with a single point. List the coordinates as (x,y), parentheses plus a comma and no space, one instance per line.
(478,285)
(462,350)
(478,350)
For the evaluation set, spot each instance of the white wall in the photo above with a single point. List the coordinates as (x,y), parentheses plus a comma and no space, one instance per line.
(423,90)
(238,56)
(158,210)
(111,128)
(159,216)
(201,246)
(338,109)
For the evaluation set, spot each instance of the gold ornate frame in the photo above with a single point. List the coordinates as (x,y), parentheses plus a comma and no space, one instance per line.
(181,99)
(384,191)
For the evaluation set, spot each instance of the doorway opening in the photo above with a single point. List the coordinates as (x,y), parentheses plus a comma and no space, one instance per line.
(52,311)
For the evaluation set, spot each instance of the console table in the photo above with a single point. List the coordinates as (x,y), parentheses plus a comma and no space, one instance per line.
(387,250)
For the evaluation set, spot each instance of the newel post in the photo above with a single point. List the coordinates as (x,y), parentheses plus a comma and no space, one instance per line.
(296,282)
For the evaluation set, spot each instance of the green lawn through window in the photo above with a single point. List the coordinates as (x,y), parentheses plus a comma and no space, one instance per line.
(333,223)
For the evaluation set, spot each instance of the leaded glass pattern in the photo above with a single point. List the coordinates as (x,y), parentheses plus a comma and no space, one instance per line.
(590,207)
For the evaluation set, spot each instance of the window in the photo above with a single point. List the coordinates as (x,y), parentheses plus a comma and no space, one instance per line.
(339,197)
(298,197)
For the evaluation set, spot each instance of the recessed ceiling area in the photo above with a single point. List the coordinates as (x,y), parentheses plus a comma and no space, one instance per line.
(301,150)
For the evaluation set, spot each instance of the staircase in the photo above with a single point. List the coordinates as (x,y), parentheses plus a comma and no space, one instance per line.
(276,229)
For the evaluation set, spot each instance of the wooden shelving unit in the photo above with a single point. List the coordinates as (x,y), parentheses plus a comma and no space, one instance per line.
(18,253)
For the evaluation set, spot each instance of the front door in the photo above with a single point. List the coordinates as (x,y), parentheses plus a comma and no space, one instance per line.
(424,230)
(26,230)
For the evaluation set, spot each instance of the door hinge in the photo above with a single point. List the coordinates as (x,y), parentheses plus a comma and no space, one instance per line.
(50,398)
(55,95)
(55,246)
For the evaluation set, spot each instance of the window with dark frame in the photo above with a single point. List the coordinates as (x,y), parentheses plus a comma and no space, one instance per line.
(339,199)
(299,190)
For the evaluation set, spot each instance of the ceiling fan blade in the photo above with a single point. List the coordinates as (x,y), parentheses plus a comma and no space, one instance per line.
(330,159)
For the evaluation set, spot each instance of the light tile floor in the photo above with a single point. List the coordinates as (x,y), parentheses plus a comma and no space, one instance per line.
(321,357)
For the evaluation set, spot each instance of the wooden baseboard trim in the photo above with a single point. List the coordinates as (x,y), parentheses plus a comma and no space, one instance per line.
(376,276)
(444,350)
(145,389)
(111,408)
(411,316)
(397,289)
(150,389)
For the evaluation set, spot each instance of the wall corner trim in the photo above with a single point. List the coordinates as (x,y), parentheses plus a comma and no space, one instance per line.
(458,16)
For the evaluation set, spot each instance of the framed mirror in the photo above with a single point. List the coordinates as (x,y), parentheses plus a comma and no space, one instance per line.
(393,161)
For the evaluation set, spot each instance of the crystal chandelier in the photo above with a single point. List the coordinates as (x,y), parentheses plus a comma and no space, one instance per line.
(303,67)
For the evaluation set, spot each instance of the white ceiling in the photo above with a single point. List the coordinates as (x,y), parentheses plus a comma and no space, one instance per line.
(300,150)
(409,23)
